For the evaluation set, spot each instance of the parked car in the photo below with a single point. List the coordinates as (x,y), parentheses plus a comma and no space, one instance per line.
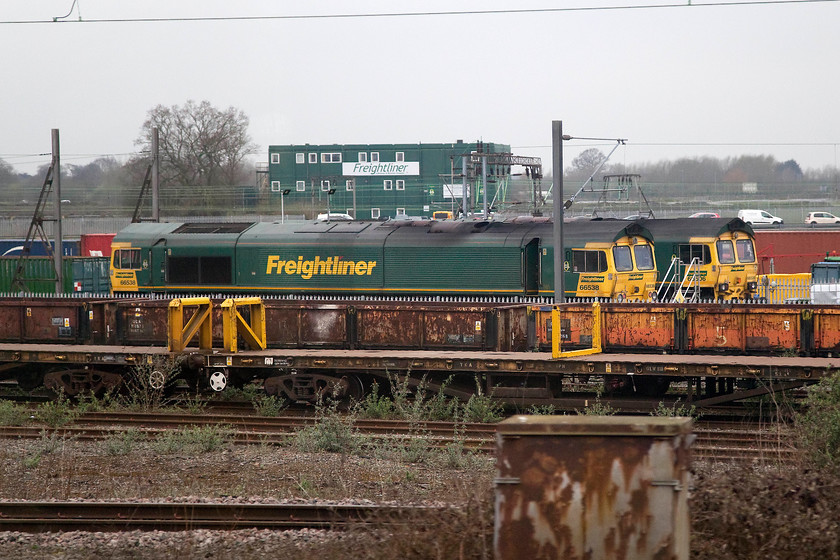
(821,218)
(759,217)
(705,215)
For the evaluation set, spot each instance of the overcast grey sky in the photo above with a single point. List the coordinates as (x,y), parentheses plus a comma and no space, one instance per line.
(678,81)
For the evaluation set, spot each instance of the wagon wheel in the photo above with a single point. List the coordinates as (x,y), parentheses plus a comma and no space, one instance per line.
(652,385)
(217,380)
(345,391)
(29,380)
(157,380)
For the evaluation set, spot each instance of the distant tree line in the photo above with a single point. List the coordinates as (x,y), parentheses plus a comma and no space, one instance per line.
(702,170)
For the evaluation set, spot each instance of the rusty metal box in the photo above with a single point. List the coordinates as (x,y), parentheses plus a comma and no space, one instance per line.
(581,487)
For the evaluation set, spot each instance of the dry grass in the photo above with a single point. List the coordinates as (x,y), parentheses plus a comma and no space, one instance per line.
(746,513)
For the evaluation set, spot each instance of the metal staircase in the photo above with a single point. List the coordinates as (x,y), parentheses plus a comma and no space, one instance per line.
(679,283)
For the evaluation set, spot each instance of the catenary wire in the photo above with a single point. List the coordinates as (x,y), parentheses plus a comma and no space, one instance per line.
(687,4)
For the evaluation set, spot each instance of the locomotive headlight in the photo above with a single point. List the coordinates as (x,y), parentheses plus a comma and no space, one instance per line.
(724,287)
(752,286)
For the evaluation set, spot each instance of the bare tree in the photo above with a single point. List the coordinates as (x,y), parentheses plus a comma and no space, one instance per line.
(199,144)
(585,163)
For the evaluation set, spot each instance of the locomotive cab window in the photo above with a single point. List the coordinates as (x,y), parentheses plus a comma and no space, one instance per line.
(693,251)
(746,251)
(726,254)
(589,261)
(199,270)
(644,257)
(623,260)
(127,259)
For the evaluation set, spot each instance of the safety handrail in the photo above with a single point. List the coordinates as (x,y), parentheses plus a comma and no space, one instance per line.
(693,282)
(668,278)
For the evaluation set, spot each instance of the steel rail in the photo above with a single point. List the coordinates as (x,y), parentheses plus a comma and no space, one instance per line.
(98,433)
(38,517)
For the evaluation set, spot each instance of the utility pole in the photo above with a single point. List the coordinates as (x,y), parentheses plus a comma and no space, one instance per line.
(484,184)
(155,175)
(464,186)
(557,201)
(58,253)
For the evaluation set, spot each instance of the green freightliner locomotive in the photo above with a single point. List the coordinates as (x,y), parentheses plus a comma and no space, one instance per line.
(610,259)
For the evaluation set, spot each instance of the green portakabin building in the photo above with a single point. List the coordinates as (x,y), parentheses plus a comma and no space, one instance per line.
(381,181)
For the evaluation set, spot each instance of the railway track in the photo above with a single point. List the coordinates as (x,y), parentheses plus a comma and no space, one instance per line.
(716,441)
(256,429)
(41,517)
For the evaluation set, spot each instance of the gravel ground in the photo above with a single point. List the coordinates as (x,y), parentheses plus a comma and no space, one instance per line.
(59,469)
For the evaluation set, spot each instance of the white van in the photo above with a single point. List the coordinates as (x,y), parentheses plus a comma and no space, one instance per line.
(334,217)
(759,217)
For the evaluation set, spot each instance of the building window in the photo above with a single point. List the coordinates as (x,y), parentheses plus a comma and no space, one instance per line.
(374,213)
(400,211)
(325,185)
(400,156)
(388,184)
(300,186)
(400,184)
(299,158)
(275,186)
(275,158)
(374,156)
(349,185)
(313,158)
(362,156)
(331,157)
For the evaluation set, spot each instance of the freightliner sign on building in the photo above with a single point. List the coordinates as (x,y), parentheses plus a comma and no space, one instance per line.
(372,168)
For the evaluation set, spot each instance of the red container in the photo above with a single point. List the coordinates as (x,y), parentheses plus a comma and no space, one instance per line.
(96,244)
(791,252)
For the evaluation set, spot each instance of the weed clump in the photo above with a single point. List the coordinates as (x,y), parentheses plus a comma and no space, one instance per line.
(818,426)
(13,414)
(332,432)
(57,413)
(190,441)
(676,410)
